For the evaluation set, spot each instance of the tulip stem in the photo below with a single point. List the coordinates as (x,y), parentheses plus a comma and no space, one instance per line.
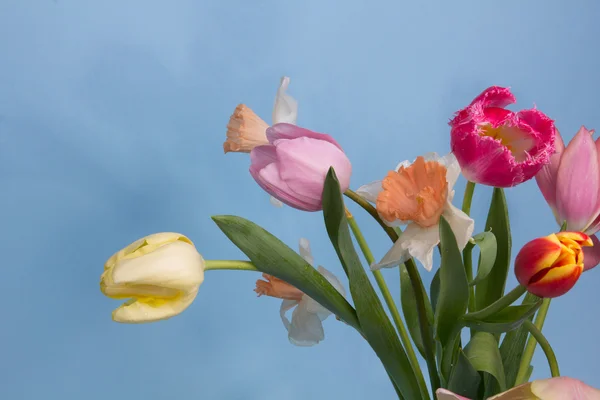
(468,250)
(229,264)
(389,300)
(545,345)
(498,305)
(531,343)
(468,197)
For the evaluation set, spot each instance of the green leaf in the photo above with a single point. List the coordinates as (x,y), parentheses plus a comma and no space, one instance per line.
(450,354)
(375,324)
(491,288)
(488,247)
(464,378)
(454,287)
(482,351)
(410,309)
(513,346)
(273,257)
(505,320)
(434,289)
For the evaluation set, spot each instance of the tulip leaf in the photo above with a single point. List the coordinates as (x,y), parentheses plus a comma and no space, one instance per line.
(491,288)
(375,324)
(464,378)
(454,288)
(513,346)
(505,320)
(410,309)
(482,351)
(488,247)
(450,354)
(272,256)
(434,289)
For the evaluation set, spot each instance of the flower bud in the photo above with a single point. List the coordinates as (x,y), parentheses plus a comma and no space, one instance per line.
(550,266)
(160,274)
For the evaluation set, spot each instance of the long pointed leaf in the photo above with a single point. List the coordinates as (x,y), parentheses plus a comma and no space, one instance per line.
(488,248)
(376,326)
(464,378)
(505,320)
(272,256)
(483,353)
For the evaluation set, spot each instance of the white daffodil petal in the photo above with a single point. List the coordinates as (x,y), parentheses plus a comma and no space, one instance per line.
(305,251)
(286,305)
(452,169)
(176,265)
(153,309)
(306,328)
(275,202)
(415,242)
(370,191)
(286,107)
(462,226)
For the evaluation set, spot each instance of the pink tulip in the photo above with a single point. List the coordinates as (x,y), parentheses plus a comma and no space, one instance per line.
(293,166)
(561,388)
(570,183)
(498,147)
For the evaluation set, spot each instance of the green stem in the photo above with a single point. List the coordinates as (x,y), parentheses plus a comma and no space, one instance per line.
(545,345)
(531,343)
(468,251)
(424,327)
(468,197)
(355,197)
(229,264)
(389,300)
(499,304)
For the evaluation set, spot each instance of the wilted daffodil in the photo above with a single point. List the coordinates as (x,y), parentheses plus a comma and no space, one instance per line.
(498,147)
(417,194)
(306,327)
(246,130)
(160,274)
(559,388)
(550,266)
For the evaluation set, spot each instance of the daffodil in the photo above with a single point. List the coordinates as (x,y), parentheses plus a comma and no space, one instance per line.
(417,194)
(160,274)
(306,326)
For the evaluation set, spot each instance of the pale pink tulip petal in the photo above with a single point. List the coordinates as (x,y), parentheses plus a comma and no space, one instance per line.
(546,178)
(563,388)
(578,182)
(289,131)
(445,394)
(591,255)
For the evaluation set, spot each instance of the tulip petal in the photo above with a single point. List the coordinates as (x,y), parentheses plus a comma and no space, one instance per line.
(494,96)
(536,256)
(444,394)
(306,328)
(556,282)
(415,241)
(564,388)
(305,251)
(286,107)
(176,265)
(591,255)
(149,310)
(578,182)
(370,191)
(546,178)
(462,225)
(289,131)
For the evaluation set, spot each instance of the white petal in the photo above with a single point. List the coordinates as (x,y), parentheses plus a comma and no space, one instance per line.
(139,311)
(286,305)
(305,251)
(306,328)
(370,191)
(453,169)
(415,242)
(316,308)
(462,226)
(286,107)
(275,202)
(176,265)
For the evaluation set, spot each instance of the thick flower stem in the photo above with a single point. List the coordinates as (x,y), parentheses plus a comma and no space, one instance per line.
(389,300)
(545,345)
(355,197)
(229,264)
(531,343)
(467,252)
(468,197)
(499,304)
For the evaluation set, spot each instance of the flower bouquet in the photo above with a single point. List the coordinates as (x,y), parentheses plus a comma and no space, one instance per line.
(309,171)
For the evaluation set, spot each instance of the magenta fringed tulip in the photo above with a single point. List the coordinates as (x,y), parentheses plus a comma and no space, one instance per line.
(498,147)
(570,183)
(293,166)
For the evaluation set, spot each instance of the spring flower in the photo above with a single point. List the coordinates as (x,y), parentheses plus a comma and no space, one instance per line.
(498,147)
(570,183)
(306,327)
(559,388)
(418,194)
(160,274)
(550,266)
(246,130)
(294,165)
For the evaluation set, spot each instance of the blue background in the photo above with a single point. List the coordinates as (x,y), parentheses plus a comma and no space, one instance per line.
(112,118)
